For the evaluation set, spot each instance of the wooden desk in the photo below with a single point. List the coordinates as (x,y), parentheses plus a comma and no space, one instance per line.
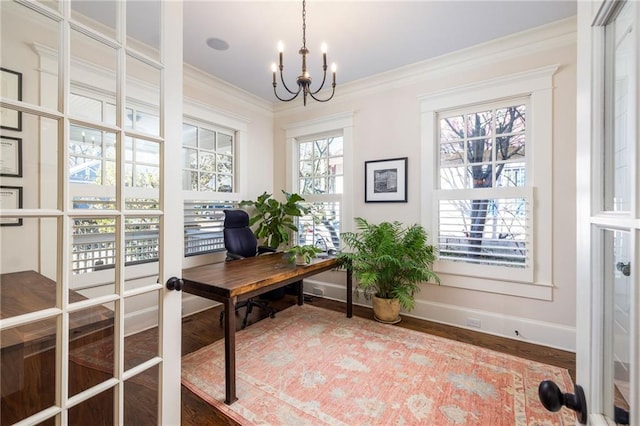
(28,291)
(232,282)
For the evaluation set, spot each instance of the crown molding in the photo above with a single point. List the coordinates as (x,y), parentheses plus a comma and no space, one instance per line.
(206,82)
(540,39)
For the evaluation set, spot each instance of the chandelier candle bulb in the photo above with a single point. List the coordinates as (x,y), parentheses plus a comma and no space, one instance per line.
(280,51)
(323,48)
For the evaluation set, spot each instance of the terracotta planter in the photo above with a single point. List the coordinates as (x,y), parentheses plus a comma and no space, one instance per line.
(386,310)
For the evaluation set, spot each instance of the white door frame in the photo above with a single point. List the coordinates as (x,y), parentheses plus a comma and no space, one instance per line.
(591,359)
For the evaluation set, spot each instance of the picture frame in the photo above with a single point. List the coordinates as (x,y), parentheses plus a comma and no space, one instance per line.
(10,156)
(11,88)
(385,181)
(10,198)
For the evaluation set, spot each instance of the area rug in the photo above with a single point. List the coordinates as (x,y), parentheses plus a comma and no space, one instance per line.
(312,366)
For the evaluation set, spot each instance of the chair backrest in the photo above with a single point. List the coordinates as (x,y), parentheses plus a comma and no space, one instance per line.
(238,237)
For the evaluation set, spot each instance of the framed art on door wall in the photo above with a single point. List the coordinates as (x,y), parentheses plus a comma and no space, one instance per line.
(11,88)
(10,156)
(10,198)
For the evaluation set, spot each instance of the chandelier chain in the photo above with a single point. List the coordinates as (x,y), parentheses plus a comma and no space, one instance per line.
(304,23)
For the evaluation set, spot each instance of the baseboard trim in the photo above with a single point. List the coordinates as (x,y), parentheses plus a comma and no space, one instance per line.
(531,331)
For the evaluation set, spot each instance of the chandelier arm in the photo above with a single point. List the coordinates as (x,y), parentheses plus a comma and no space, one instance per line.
(324,77)
(333,91)
(285,85)
(285,100)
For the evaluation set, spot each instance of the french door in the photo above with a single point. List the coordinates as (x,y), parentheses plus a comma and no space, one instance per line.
(91,108)
(608,300)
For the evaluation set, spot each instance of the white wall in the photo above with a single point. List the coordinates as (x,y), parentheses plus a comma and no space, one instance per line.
(387,124)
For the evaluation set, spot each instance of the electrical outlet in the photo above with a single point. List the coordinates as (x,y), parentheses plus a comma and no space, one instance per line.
(474,322)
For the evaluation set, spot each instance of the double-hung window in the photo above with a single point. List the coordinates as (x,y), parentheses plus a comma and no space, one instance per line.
(486,168)
(208,167)
(319,159)
(484,202)
(92,177)
(321,182)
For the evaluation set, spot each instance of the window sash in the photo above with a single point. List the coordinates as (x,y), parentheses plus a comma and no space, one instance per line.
(219,148)
(506,240)
(322,227)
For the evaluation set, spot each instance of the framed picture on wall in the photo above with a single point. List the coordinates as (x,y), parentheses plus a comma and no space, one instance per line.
(10,198)
(11,88)
(385,181)
(10,156)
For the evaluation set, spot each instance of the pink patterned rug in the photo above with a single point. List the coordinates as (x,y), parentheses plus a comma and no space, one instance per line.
(312,366)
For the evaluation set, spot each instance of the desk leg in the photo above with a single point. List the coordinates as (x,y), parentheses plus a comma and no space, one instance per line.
(349,293)
(230,350)
(300,286)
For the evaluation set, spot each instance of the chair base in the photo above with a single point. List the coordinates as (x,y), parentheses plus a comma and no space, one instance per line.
(249,304)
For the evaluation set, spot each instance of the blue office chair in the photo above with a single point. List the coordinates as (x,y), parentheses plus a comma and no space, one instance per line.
(240,242)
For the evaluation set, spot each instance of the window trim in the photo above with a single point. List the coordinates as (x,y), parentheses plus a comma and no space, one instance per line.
(311,129)
(537,84)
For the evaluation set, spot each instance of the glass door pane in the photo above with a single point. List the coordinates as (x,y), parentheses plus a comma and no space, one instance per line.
(618,149)
(618,295)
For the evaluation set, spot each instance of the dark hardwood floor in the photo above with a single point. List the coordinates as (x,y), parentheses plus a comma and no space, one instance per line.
(204,328)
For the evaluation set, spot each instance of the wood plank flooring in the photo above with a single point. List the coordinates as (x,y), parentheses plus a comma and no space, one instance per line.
(204,328)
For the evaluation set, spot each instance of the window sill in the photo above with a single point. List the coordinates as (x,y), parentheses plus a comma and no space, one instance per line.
(509,288)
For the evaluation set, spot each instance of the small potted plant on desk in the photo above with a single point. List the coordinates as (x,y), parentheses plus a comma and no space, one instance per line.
(389,261)
(302,255)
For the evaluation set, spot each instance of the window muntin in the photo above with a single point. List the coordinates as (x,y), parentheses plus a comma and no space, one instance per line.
(483,206)
(476,147)
(208,159)
(320,166)
(92,156)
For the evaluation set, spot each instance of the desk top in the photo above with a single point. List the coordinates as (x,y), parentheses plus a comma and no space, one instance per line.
(28,291)
(240,277)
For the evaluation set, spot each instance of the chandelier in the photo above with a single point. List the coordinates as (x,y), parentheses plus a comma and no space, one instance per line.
(304,79)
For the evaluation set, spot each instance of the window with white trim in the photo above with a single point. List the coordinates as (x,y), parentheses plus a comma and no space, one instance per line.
(320,169)
(483,204)
(207,159)
(487,149)
(92,176)
(208,169)
(208,166)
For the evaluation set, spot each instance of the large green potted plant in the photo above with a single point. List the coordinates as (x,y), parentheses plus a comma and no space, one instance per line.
(275,219)
(389,261)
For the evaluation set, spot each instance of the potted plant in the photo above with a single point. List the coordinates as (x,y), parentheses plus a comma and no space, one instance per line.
(389,261)
(302,255)
(275,219)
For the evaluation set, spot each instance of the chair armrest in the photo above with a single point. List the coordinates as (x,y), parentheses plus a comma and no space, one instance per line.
(264,249)
(233,256)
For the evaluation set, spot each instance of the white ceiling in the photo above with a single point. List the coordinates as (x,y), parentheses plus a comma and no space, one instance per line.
(364,37)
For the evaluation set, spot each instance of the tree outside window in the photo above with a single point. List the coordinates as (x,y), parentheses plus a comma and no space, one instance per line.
(483,218)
